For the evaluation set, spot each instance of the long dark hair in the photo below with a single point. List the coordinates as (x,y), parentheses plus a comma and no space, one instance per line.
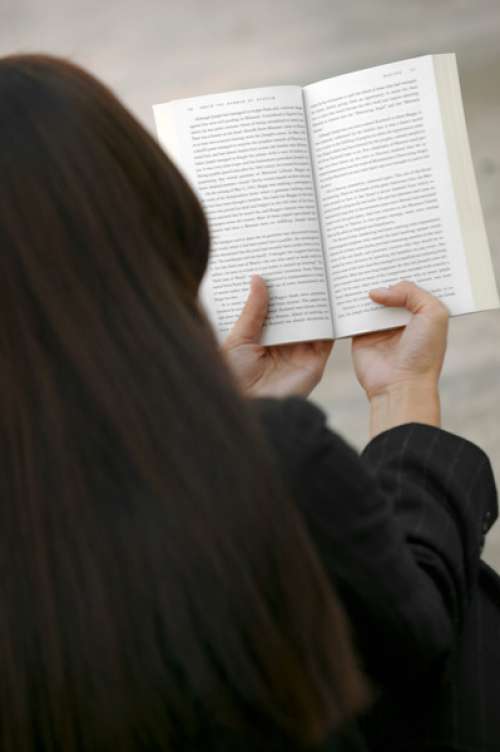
(157,585)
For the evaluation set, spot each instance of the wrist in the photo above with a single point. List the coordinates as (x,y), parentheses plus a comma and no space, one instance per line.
(407,402)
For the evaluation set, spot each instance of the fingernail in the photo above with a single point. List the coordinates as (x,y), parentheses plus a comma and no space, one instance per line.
(379,291)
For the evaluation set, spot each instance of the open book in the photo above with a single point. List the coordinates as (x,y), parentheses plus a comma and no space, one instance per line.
(330,190)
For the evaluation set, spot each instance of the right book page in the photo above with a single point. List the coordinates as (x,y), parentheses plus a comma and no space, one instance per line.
(396,190)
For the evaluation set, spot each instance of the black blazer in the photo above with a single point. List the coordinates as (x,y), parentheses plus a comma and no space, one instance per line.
(400,532)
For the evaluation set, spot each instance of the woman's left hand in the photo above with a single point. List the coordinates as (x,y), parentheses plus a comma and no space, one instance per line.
(275,371)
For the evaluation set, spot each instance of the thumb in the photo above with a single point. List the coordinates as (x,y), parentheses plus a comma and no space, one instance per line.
(408,295)
(251,321)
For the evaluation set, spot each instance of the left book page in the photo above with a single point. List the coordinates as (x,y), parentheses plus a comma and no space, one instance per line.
(246,154)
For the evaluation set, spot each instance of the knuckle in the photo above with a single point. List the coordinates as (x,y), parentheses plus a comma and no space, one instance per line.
(439,310)
(444,313)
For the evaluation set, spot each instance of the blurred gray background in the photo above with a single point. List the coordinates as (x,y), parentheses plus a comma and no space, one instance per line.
(156,50)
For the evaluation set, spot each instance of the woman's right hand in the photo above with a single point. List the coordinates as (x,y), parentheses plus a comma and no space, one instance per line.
(399,369)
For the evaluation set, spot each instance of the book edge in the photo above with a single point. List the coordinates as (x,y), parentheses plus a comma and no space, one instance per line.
(475,240)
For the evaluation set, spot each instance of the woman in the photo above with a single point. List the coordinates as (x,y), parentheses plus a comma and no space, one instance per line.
(159,590)
(214,625)
(400,533)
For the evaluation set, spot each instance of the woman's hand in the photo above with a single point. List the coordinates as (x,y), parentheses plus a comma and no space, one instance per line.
(276,371)
(399,369)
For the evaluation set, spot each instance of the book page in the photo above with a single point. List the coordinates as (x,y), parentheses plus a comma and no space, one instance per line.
(386,199)
(475,239)
(246,154)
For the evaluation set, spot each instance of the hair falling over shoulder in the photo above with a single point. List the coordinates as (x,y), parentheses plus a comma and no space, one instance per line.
(157,584)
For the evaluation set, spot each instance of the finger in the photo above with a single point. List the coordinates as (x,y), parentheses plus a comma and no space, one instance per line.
(251,321)
(324,346)
(408,295)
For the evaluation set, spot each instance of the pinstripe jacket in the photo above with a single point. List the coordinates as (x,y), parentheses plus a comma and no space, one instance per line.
(400,532)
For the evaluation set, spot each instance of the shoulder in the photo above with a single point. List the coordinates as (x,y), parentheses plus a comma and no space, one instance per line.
(293,420)
(299,434)
(292,414)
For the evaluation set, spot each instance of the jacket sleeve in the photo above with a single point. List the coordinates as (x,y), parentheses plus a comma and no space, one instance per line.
(399,530)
